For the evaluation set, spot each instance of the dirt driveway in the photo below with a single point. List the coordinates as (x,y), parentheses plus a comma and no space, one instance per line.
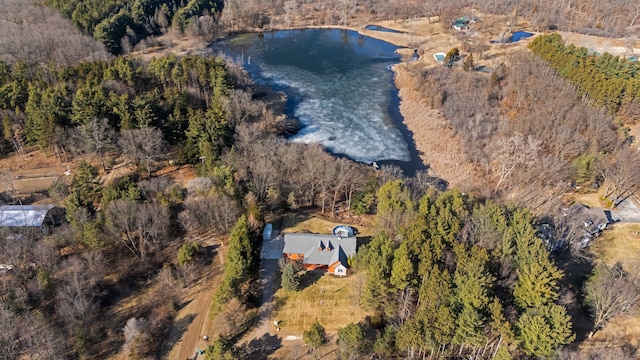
(263,336)
(192,320)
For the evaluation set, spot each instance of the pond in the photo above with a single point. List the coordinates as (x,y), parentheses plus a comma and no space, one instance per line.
(339,86)
(519,35)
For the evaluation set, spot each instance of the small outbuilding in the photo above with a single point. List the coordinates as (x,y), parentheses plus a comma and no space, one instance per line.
(266,233)
(28,216)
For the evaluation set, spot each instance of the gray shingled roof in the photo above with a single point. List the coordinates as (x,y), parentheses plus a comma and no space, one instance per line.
(320,249)
(23,215)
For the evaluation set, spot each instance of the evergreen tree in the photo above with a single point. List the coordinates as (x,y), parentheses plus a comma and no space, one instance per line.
(402,269)
(385,345)
(219,350)
(315,336)
(290,279)
(351,340)
(89,102)
(542,330)
(395,207)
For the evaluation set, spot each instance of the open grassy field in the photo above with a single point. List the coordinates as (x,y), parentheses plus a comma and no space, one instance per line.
(332,301)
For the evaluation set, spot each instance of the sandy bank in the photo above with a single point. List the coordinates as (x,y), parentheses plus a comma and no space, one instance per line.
(438,147)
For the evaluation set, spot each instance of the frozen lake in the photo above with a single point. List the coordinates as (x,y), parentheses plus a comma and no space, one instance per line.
(339,86)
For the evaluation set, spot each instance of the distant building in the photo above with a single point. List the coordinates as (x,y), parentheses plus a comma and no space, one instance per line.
(28,216)
(580,226)
(320,252)
(462,23)
(586,222)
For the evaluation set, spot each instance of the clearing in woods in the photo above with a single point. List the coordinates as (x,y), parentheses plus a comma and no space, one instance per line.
(331,300)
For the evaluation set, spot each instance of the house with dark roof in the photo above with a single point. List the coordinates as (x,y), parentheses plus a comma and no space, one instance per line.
(27,216)
(586,223)
(320,252)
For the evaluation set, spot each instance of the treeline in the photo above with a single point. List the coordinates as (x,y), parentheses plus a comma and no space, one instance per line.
(93,101)
(123,23)
(613,18)
(460,277)
(607,81)
(504,120)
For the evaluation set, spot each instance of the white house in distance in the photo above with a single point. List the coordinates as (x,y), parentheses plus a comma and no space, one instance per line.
(26,216)
(320,252)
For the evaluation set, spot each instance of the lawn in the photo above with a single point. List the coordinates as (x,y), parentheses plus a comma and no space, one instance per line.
(331,300)
(299,222)
(621,244)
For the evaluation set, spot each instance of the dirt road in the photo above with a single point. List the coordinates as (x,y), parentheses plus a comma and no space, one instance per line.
(192,321)
(195,313)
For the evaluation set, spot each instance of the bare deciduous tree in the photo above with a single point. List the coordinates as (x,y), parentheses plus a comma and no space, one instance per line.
(76,304)
(9,326)
(620,174)
(145,145)
(132,330)
(611,292)
(97,137)
(138,226)
(511,154)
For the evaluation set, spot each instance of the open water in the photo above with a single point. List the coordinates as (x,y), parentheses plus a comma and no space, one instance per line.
(339,86)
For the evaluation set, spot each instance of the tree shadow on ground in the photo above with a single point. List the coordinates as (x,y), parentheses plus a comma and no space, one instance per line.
(184,304)
(576,271)
(310,277)
(262,347)
(208,253)
(178,329)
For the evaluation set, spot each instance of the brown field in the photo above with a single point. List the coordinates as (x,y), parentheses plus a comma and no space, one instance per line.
(332,301)
(619,244)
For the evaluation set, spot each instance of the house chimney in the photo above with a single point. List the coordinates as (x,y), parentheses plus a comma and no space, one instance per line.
(320,245)
(329,246)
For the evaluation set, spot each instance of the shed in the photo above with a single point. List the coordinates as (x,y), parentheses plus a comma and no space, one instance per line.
(27,216)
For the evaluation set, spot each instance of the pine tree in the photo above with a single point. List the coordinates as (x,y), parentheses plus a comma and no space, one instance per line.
(542,330)
(351,340)
(402,270)
(290,280)
(315,336)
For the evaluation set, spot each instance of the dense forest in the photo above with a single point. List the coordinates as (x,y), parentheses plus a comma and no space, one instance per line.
(608,81)
(449,274)
(461,277)
(119,24)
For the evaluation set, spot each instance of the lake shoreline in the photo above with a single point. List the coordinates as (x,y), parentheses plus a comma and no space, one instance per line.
(437,147)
